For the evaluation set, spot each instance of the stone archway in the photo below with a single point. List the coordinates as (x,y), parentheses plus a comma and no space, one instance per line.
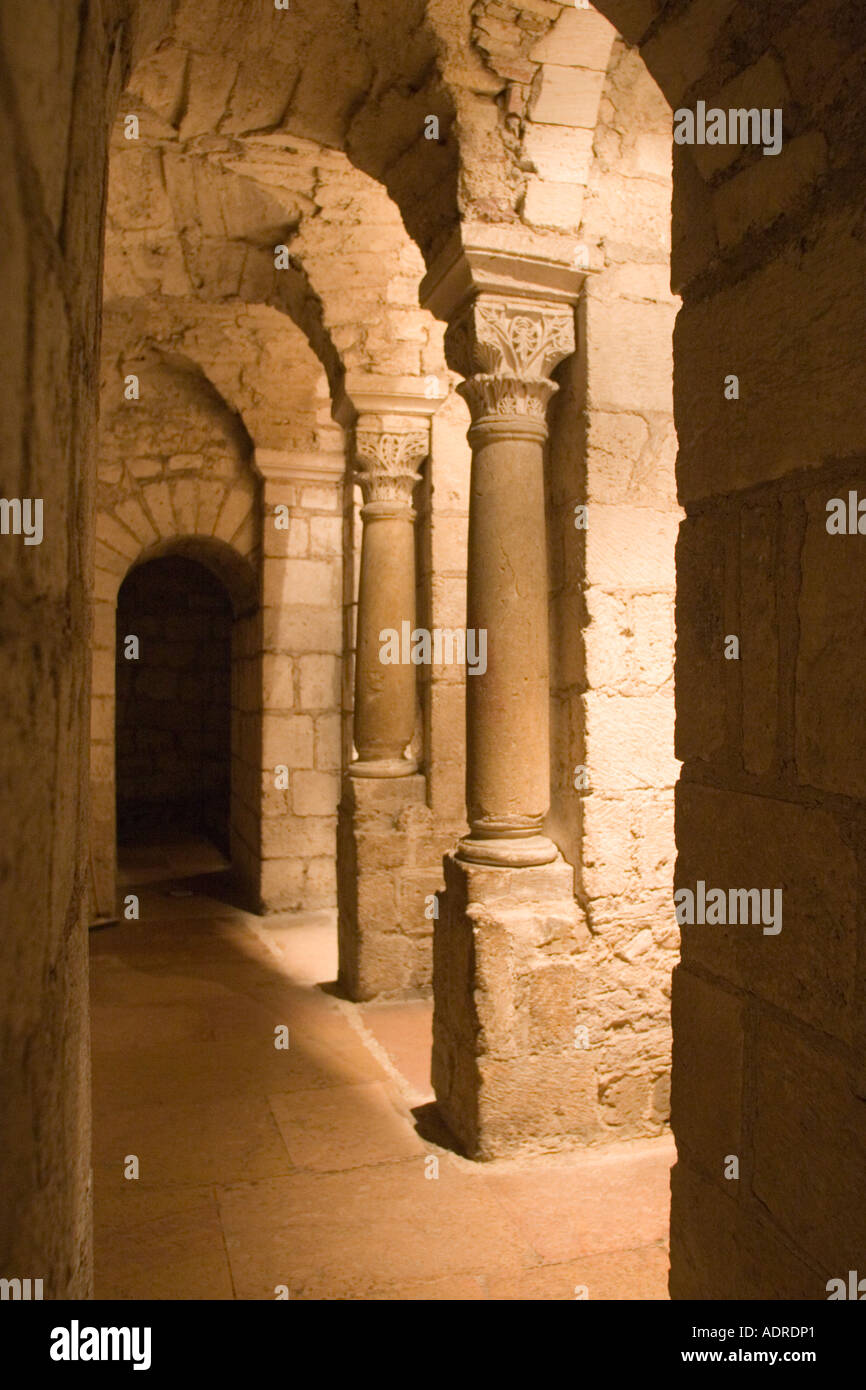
(769,258)
(177,733)
(559,1029)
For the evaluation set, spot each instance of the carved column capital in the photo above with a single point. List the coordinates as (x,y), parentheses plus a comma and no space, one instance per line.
(519,337)
(506,349)
(387,461)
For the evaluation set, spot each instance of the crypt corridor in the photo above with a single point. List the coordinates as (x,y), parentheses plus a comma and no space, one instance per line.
(344,337)
(305,1172)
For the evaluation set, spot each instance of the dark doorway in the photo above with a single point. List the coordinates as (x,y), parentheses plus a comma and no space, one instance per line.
(173,719)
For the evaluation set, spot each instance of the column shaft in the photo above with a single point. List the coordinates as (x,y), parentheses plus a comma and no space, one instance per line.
(383,816)
(515,344)
(507,778)
(385,688)
(384,692)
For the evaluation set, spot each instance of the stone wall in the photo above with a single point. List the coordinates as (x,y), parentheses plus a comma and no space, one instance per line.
(768,255)
(179,470)
(302,647)
(612,452)
(61,70)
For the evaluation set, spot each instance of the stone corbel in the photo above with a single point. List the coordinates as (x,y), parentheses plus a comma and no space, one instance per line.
(298,466)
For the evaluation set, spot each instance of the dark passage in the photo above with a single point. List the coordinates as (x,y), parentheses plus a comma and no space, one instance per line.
(173,704)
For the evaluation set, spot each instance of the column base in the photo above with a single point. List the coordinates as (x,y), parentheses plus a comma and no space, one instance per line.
(384,876)
(384,767)
(511,1070)
(522,851)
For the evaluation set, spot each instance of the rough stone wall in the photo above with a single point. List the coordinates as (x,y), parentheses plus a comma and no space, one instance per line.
(364,82)
(179,469)
(61,68)
(209,188)
(525,80)
(302,646)
(612,451)
(251,359)
(386,855)
(174,703)
(245,800)
(768,254)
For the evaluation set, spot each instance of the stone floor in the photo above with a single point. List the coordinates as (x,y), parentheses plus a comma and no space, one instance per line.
(304,1167)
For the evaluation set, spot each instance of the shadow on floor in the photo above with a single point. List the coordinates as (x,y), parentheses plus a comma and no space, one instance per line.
(183,866)
(307,1167)
(430,1125)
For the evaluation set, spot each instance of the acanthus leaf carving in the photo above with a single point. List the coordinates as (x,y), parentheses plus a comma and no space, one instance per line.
(492,394)
(518,338)
(388,462)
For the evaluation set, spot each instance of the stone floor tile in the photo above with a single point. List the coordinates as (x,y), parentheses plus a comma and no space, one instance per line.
(177,1256)
(305,1164)
(617,1274)
(119,1204)
(229,1139)
(345,1127)
(405,1030)
(457,1288)
(612,1199)
(343,1234)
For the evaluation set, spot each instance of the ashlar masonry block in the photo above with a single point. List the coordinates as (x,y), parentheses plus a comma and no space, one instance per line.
(383,951)
(509,1072)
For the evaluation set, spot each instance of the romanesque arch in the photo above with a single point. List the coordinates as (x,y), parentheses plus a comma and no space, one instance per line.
(149,506)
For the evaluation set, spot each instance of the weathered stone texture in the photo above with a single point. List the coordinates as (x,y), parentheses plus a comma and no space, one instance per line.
(388,883)
(613,768)
(509,1068)
(262,128)
(59,89)
(767,254)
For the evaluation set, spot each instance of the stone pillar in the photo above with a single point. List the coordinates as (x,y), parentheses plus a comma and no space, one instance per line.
(385,692)
(507,957)
(505,347)
(384,820)
(292,815)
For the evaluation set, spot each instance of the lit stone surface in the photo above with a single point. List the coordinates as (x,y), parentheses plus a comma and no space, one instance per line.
(266,243)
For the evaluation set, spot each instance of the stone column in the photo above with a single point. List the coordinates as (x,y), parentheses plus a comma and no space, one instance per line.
(384,691)
(384,820)
(508,958)
(506,348)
